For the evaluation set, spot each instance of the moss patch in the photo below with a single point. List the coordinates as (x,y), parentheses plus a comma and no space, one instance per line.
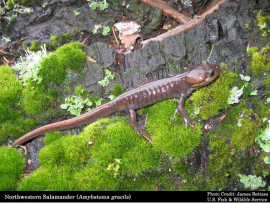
(95,149)
(10,92)
(260,61)
(169,132)
(95,177)
(57,178)
(211,99)
(11,167)
(228,145)
(11,117)
(118,138)
(38,97)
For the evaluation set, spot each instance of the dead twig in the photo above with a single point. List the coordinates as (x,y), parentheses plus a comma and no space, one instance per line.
(91,59)
(6,53)
(115,36)
(118,16)
(167,9)
(187,26)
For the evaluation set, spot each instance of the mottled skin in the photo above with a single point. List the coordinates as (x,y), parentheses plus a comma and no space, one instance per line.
(175,86)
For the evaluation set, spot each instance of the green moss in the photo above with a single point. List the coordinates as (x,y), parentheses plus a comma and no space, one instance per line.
(169,132)
(10,3)
(56,178)
(67,36)
(94,177)
(52,136)
(11,167)
(71,56)
(120,141)
(50,68)
(10,92)
(15,128)
(260,61)
(211,99)
(33,46)
(228,145)
(13,125)
(24,2)
(146,182)
(55,40)
(36,99)
(261,167)
(244,133)
(79,91)
(263,23)
(81,162)
(117,90)
(62,151)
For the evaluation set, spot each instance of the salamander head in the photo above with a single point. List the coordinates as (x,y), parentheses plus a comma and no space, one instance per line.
(201,75)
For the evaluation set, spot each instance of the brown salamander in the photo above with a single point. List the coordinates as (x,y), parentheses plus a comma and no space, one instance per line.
(175,86)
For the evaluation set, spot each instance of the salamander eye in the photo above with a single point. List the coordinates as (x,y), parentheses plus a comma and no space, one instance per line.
(212,73)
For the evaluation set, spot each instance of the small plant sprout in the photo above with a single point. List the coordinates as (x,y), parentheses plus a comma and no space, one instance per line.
(11,18)
(252,182)
(75,104)
(235,94)
(106,30)
(77,13)
(96,29)
(112,97)
(101,5)
(6,39)
(106,80)
(98,102)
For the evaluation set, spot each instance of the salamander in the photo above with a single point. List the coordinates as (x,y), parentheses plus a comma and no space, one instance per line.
(174,86)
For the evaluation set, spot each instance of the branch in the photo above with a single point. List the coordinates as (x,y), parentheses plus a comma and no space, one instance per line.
(168,10)
(187,26)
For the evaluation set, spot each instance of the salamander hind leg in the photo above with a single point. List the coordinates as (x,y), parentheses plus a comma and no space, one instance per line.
(136,126)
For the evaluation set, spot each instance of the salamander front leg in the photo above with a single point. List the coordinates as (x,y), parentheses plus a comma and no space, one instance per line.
(137,126)
(183,112)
